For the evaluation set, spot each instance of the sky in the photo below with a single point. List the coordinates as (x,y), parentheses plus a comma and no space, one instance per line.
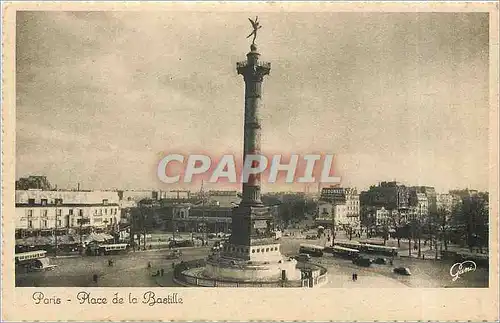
(103,96)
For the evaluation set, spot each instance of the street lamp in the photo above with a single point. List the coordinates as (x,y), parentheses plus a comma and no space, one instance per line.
(55,231)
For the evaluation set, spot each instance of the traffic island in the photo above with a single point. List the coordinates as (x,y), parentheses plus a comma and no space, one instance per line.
(201,273)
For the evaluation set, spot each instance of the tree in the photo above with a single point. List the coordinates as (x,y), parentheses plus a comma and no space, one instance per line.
(385,232)
(469,221)
(396,221)
(143,221)
(348,230)
(367,219)
(434,225)
(442,218)
(475,215)
(294,208)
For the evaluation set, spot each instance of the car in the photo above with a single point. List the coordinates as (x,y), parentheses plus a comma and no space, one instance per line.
(402,271)
(362,261)
(380,261)
(303,257)
(219,244)
(174,254)
(311,237)
(180,243)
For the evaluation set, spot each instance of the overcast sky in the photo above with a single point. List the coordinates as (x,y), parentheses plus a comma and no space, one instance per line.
(101,97)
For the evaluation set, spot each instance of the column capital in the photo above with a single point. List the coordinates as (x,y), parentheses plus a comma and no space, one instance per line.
(253,71)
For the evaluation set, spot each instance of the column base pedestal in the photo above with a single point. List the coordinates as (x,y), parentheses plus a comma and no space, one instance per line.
(231,269)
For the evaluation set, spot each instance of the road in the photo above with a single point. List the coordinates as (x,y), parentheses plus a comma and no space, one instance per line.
(425,273)
(131,270)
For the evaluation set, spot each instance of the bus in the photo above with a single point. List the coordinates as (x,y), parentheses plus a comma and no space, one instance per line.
(370,248)
(33,261)
(109,249)
(315,251)
(375,242)
(346,253)
(349,244)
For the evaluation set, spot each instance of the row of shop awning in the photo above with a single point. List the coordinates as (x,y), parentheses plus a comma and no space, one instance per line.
(63,239)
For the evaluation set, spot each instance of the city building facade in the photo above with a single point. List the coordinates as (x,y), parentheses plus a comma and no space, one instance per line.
(445,202)
(382,217)
(341,204)
(431,195)
(390,195)
(38,210)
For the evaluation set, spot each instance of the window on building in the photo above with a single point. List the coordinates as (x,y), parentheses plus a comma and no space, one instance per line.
(105,211)
(44,213)
(80,212)
(44,224)
(105,202)
(44,201)
(59,223)
(30,224)
(58,201)
(30,212)
(70,211)
(72,222)
(31,201)
(58,212)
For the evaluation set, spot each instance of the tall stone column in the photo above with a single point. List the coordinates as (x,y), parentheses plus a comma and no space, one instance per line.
(253,72)
(252,222)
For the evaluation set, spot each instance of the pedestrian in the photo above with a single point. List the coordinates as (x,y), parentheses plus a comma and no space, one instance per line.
(95,278)
(149,264)
(353,277)
(162,271)
(423,257)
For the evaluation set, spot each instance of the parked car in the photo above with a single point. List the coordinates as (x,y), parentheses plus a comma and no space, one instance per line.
(380,261)
(402,271)
(303,257)
(362,261)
